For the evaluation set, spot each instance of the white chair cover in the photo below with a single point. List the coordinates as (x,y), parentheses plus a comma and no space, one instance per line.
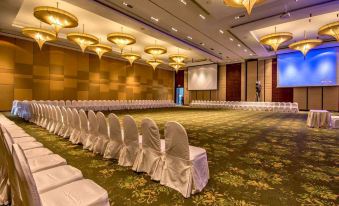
(186,167)
(131,142)
(70,124)
(75,138)
(115,138)
(93,127)
(149,157)
(63,127)
(102,139)
(83,126)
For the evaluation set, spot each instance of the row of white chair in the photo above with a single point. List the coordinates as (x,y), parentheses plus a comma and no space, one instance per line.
(172,161)
(255,106)
(37,177)
(22,108)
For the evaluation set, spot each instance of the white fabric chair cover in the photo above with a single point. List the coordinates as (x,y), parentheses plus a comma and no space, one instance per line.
(115,138)
(150,157)
(93,127)
(4,186)
(59,120)
(186,167)
(130,142)
(70,124)
(83,126)
(102,139)
(75,135)
(64,124)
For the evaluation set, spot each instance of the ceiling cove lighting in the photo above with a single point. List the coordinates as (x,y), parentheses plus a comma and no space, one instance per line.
(154,63)
(82,39)
(189,37)
(331,29)
(183,1)
(39,35)
(155,50)
(100,49)
(55,17)
(131,56)
(154,19)
(121,39)
(276,39)
(248,4)
(202,16)
(174,29)
(176,65)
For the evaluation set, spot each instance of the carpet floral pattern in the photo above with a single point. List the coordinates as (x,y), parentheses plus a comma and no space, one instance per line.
(255,158)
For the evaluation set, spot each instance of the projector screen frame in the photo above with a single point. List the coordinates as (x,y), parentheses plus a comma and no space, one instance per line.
(204,89)
(313,86)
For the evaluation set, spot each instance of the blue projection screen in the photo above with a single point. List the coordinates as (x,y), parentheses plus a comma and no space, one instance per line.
(318,68)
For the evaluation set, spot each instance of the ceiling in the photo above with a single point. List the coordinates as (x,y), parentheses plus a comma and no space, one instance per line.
(202,29)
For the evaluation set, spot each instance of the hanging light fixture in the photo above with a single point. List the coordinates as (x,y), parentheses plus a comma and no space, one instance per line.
(39,35)
(82,39)
(154,62)
(177,65)
(55,17)
(131,56)
(121,39)
(155,50)
(304,46)
(276,39)
(100,49)
(178,58)
(331,29)
(248,4)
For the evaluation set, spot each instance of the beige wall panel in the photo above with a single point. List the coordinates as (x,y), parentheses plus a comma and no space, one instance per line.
(7,52)
(41,71)
(331,98)
(82,95)
(6,77)
(214,95)
(261,77)
(268,80)
(221,94)
(24,52)
(71,64)
(41,89)
(206,95)
(251,80)
(243,82)
(56,56)
(6,98)
(300,96)
(199,95)
(314,98)
(41,57)
(23,94)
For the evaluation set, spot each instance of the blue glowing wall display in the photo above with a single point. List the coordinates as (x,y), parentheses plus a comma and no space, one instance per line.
(318,68)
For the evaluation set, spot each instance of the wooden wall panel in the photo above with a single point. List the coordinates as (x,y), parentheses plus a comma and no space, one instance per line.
(222,90)
(331,98)
(268,81)
(233,82)
(26,72)
(243,82)
(314,98)
(300,96)
(252,69)
(261,78)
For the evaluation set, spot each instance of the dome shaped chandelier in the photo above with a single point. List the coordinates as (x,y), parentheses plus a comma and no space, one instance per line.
(82,39)
(131,56)
(276,39)
(177,58)
(99,49)
(39,35)
(248,4)
(155,50)
(121,39)
(304,46)
(55,17)
(154,63)
(331,29)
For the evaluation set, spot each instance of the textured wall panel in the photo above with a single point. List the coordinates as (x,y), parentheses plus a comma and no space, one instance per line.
(252,69)
(330,98)
(314,98)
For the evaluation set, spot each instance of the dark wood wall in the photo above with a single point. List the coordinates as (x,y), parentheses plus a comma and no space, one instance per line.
(279,94)
(233,82)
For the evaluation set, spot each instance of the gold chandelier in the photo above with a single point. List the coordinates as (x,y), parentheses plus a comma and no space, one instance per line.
(100,49)
(82,39)
(56,17)
(121,39)
(39,35)
(177,65)
(248,4)
(154,62)
(155,50)
(276,39)
(305,45)
(177,58)
(331,29)
(131,57)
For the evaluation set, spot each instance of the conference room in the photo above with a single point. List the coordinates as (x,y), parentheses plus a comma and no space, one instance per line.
(181,102)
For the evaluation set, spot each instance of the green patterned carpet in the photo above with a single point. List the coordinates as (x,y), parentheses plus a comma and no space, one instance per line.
(255,158)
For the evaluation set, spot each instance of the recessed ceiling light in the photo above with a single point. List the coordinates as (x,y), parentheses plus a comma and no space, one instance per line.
(183,1)
(202,16)
(154,19)
(245,50)
(239,45)
(231,39)
(189,37)
(251,54)
(174,29)
(221,31)
(127,4)
(202,44)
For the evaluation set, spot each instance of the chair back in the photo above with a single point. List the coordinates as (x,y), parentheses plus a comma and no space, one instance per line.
(103,127)
(70,117)
(93,125)
(76,119)
(176,140)
(114,128)
(83,120)
(131,135)
(150,134)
